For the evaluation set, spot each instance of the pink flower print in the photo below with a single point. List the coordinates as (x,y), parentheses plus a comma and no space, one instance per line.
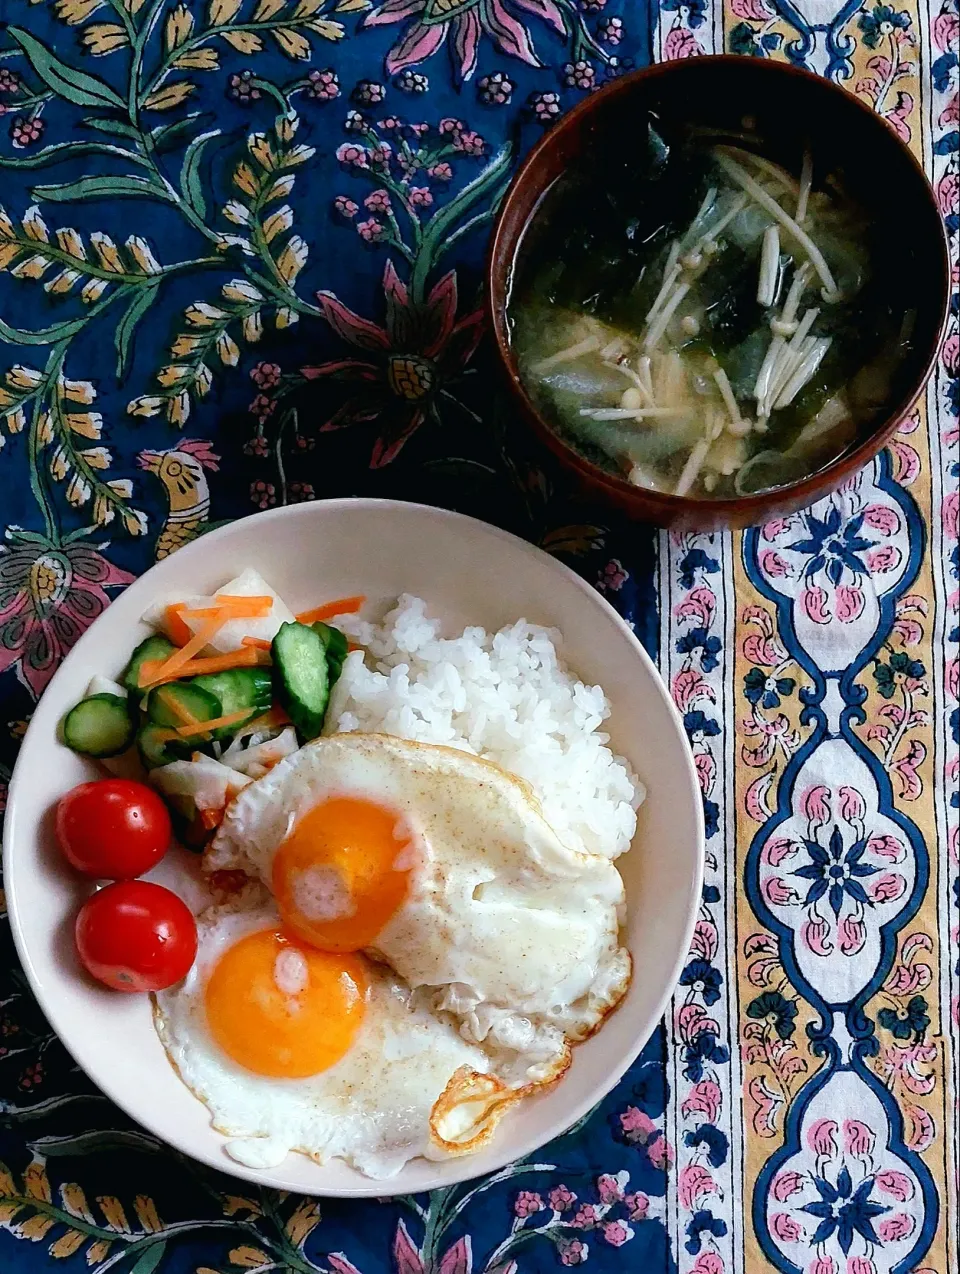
(421,196)
(610,30)
(891,1229)
(850,603)
(858,1139)
(49,595)
(353,156)
(822,1138)
(816,934)
(572,1251)
(888,887)
(266,375)
(822,1265)
(708,1263)
(852,934)
(585,1217)
(345,207)
(786,1184)
(778,893)
(772,564)
(660,1152)
(883,560)
(580,75)
(263,407)
(815,804)
(440,172)
(863,1265)
(449,127)
(882,518)
(637,1205)
(616,1233)
(561,1198)
(693,1183)
(527,1203)
(380,154)
(610,1188)
(852,805)
(469,143)
(263,494)
(257,446)
(303,443)
(613,576)
(704,1099)
(814,602)
(377,201)
(25,132)
(300,492)
(371,231)
(785,1227)
(638,1127)
(680,43)
(323,85)
(896,1184)
(887,847)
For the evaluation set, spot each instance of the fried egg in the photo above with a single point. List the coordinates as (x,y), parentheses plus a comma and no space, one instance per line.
(441,867)
(292,1048)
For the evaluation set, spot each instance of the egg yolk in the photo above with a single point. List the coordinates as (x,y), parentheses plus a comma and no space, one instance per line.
(341,873)
(281,1008)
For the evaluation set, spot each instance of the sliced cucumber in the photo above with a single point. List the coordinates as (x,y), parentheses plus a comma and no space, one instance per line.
(155,647)
(194,699)
(158,748)
(238,689)
(302,677)
(335,644)
(99,726)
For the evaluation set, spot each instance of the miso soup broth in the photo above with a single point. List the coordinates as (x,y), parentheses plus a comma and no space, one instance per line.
(701,320)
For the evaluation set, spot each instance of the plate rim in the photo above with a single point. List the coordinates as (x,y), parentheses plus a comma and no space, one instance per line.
(457,1170)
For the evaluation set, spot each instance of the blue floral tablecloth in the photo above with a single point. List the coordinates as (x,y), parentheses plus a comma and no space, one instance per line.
(240,260)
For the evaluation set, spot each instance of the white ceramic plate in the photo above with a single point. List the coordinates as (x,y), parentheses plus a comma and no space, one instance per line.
(470,573)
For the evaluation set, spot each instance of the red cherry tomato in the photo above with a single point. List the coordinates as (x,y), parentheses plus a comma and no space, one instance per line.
(113,829)
(136,936)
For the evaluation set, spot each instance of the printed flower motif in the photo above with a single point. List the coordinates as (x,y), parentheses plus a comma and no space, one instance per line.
(712,1139)
(616,1233)
(835,873)
(612,577)
(263,494)
(704,979)
(262,407)
(881,22)
(303,443)
(324,86)
(346,207)
(704,1047)
(299,492)
(369,93)
(844,1211)
(901,667)
(585,1217)
(561,1198)
(266,375)
(833,547)
(766,690)
(440,172)
(527,1203)
(637,1126)
(353,156)
(698,725)
(412,358)
(256,446)
(610,30)
(412,82)
(355,122)
(776,1010)
(377,201)
(581,74)
(421,196)
(371,231)
(592,6)
(572,1251)
(10,81)
(545,106)
(909,1019)
(693,10)
(49,594)
(24,132)
(242,88)
(703,1220)
(496,89)
(700,639)
(465,21)
(469,143)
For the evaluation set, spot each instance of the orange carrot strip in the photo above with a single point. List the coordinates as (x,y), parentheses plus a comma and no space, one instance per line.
(173,704)
(179,631)
(232,718)
(155,671)
(271,718)
(259,643)
(168,669)
(237,599)
(237,608)
(343,606)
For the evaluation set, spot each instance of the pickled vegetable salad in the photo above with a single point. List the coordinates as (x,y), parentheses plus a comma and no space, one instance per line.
(225,688)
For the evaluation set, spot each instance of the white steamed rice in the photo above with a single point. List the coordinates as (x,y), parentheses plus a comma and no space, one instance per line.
(503,696)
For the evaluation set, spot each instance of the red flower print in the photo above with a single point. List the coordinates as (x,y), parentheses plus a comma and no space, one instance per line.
(527,1203)
(49,594)
(346,207)
(419,350)
(371,231)
(262,407)
(573,1252)
(265,375)
(263,494)
(561,1198)
(377,201)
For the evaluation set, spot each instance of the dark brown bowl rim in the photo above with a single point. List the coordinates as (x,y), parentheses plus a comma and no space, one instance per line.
(672,508)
